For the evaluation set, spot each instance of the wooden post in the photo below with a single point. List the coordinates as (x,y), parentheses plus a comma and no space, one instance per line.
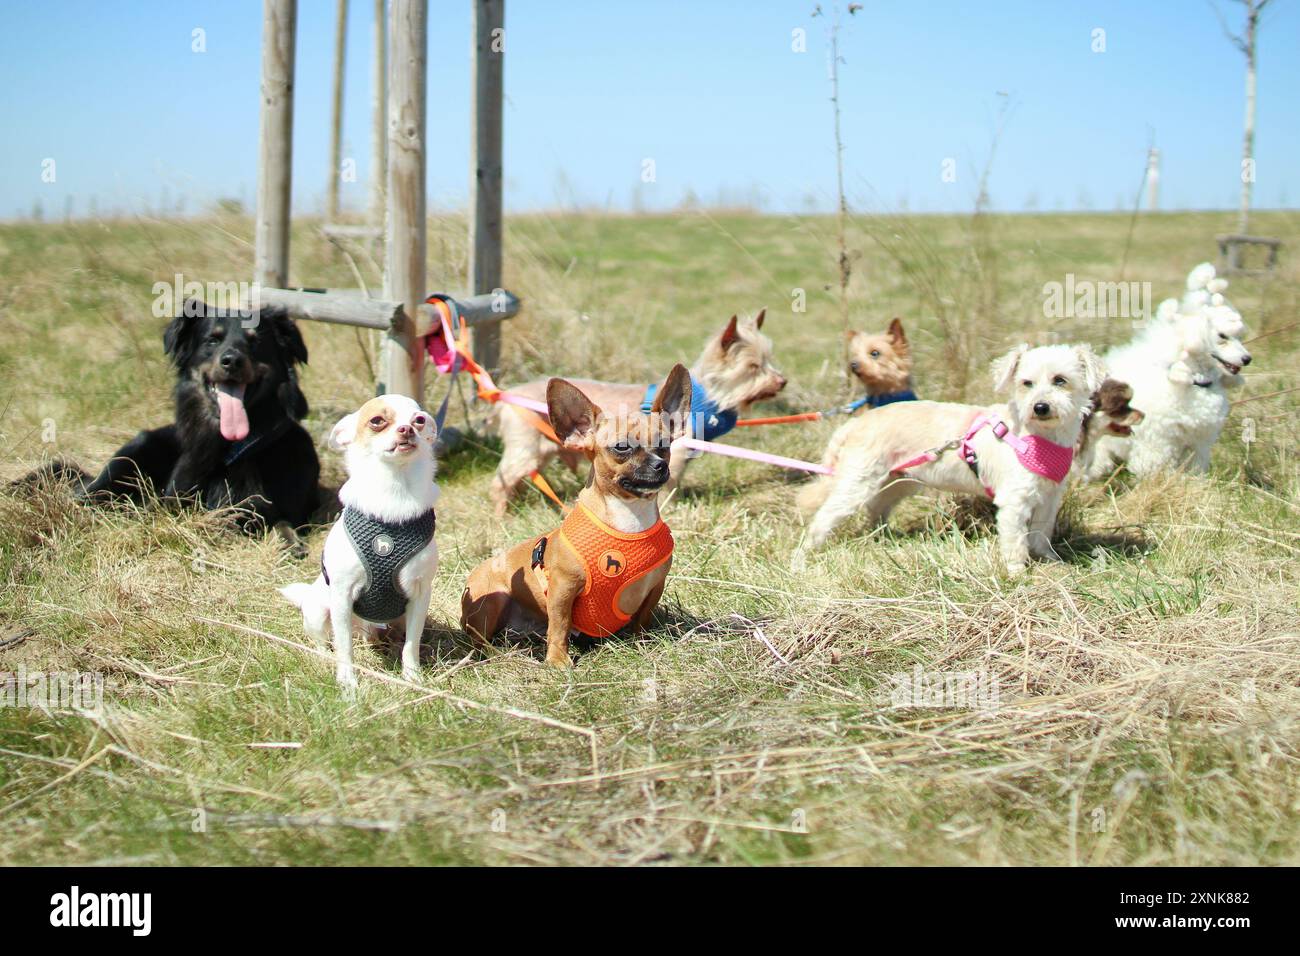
(402,365)
(485,168)
(353,307)
(336,120)
(275,156)
(379,118)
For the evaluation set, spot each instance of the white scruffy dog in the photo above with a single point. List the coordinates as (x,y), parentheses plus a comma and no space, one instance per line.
(1180,367)
(380,556)
(1019,453)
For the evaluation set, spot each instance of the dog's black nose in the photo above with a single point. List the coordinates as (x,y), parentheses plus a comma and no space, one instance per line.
(660,466)
(855,367)
(1042,409)
(1245,359)
(228,359)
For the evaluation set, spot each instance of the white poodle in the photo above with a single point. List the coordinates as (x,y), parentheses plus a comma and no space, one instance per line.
(1018,454)
(1180,367)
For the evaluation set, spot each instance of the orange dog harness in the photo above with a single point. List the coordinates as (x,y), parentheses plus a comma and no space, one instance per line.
(612,560)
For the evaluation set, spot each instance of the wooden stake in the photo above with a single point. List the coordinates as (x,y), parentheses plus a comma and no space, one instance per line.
(336,120)
(485,169)
(402,364)
(275,158)
(379,118)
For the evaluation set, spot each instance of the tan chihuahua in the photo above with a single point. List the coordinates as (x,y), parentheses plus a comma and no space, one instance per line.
(605,567)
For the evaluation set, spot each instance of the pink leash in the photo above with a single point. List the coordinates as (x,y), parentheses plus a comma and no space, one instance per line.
(733,451)
(510,398)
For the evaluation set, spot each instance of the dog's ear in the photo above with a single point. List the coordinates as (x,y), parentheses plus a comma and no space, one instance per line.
(729,335)
(851,334)
(896,333)
(1094,369)
(1004,369)
(573,415)
(674,400)
(758,319)
(287,334)
(341,435)
(180,335)
(1180,372)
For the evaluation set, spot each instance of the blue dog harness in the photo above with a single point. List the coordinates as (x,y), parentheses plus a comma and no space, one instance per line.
(711,422)
(875,401)
(384,548)
(871,401)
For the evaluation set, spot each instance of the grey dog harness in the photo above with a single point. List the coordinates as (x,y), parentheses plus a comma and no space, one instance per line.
(384,548)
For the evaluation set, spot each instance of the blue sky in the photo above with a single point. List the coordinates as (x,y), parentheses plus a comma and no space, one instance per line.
(712,92)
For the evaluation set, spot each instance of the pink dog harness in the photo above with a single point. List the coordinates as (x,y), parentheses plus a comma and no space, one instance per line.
(1037,454)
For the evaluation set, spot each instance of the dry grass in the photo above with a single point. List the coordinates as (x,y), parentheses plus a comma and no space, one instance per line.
(1148,687)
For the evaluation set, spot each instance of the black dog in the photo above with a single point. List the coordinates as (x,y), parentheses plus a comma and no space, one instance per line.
(236,439)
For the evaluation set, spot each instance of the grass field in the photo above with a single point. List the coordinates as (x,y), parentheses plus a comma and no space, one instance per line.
(1148,689)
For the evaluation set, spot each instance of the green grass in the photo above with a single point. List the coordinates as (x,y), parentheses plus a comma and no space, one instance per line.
(1147,709)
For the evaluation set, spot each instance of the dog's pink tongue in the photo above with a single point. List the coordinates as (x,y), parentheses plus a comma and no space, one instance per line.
(234,420)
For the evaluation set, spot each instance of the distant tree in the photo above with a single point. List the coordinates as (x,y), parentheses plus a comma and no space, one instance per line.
(1245,42)
(845,260)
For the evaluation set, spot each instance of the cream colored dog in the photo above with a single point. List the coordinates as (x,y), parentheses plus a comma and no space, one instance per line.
(1013,452)
(734,371)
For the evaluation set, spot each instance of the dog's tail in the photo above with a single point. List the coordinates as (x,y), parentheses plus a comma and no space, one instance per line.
(302,595)
(812,494)
(314,602)
(56,472)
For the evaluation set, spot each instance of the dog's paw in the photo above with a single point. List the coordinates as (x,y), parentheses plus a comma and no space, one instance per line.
(560,661)
(1016,568)
(293,544)
(411,674)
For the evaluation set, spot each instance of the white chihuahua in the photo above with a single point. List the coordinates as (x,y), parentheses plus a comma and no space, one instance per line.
(1018,454)
(380,556)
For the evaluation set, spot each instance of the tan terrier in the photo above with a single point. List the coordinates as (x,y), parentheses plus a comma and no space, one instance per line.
(883,363)
(605,567)
(733,372)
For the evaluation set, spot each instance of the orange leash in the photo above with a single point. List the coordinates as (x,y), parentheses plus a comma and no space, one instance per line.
(781,419)
(487,389)
(544,486)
